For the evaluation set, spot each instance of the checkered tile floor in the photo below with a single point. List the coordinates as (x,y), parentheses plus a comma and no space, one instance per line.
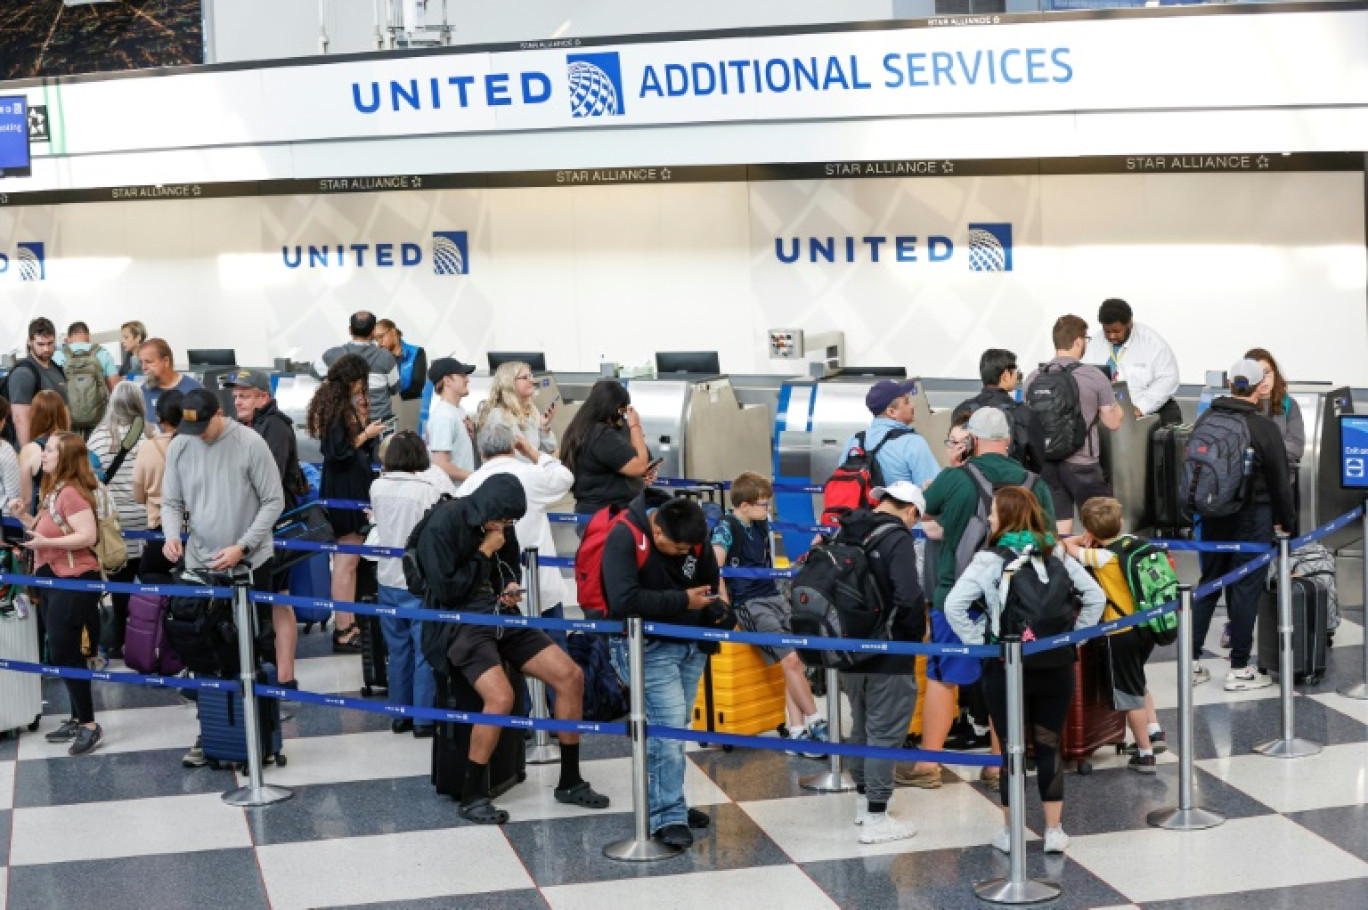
(128,827)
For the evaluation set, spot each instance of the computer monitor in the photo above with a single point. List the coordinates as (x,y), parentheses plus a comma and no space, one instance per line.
(535,359)
(703,362)
(212,357)
(874,372)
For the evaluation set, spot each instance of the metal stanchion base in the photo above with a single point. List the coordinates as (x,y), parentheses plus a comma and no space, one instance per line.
(1194,819)
(632,850)
(264,795)
(827,782)
(1003,891)
(548,754)
(1289,748)
(1357,690)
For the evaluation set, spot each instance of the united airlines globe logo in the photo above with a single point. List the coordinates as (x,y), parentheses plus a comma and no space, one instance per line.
(449,249)
(595,85)
(990,247)
(28,262)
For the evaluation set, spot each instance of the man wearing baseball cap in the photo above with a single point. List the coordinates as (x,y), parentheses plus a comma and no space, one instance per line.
(1266,507)
(450,435)
(883,689)
(899,452)
(953,500)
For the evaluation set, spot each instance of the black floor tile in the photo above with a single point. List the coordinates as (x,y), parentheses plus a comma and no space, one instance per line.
(222,879)
(1344,826)
(944,879)
(354,809)
(113,776)
(1346,895)
(1236,728)
(570,851)
(108,696)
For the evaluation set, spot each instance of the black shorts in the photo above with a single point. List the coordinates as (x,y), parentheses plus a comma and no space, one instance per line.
(475,649)
(1072,485)
(1127,654)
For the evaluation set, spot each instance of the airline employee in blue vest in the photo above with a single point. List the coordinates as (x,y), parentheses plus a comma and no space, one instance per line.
(1137,355)
(905,456)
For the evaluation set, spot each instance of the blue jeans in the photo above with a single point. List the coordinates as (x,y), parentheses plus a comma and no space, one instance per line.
(410,677)
(673,669)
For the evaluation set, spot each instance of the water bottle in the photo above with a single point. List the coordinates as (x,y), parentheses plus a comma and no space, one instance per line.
(1247,473)
(22,606)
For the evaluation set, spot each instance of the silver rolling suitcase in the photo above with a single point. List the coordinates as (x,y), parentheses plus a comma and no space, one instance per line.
(21,694)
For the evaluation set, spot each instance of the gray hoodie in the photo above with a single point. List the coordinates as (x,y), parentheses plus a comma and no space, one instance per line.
(231,489)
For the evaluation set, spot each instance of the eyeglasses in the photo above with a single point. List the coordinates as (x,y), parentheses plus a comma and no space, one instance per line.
(762,504)
(951,442)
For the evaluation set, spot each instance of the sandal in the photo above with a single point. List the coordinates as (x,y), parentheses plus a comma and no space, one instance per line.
(483,812)
(348,640)
(582,795)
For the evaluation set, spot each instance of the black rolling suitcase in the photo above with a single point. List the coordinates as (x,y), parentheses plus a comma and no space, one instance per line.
(1168,447)
(451,744)
(374,653)
(1310,630)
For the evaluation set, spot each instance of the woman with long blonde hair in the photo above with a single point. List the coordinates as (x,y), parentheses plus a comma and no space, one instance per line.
(510,403)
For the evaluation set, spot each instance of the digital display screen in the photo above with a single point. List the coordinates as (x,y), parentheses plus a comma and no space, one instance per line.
(1354,451)
(14,136)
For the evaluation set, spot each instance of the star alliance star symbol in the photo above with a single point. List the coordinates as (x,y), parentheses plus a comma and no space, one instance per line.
(664,173)
(1262,162)
(948,167)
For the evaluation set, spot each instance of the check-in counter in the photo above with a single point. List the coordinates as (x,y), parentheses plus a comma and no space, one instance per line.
(700,429)
(1125,457)
(293,392)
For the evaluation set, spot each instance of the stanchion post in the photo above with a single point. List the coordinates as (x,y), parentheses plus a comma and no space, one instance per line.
(1016,888)
(257,792)
(1359,689)
(834,779)
(541,751)
(641,847)
(1287,745)
(1186,817)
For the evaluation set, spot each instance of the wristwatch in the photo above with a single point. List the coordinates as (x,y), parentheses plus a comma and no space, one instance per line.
(246,550)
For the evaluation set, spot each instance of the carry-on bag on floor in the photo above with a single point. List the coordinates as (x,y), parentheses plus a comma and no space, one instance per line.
(312,578)
(21,694)
(374,656)
(1310,633)
(1091,723)
(146,648)
(223,733)
(739,693)
(451,744)
(1168,448)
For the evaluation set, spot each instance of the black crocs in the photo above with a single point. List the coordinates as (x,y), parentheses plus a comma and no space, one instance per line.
(483,812)
(699,819)
(582,795)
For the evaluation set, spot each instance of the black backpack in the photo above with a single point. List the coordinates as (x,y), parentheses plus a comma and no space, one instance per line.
(1214,479)
(835,595)
(9,433)
(415,579)
(1035,609)
(1021,439)
(1054,397)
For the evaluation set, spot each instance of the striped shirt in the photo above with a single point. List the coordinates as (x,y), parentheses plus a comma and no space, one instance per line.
(132,516)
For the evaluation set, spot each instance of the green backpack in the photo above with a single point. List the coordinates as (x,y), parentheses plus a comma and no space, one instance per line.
(1153,581)
(87,391)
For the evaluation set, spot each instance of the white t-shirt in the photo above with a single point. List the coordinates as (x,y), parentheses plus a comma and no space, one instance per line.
(447,431)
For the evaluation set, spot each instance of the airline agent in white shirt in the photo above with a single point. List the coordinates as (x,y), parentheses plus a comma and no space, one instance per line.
(1137,355)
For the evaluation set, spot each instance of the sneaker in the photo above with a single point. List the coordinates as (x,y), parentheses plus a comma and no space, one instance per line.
(1246,678)
(675,836)
(65,733)
(1159,743)
(967,739)
(861,808)
(87,738)
(991,776)
(1056,841)
(883,828)
(1225,636)
(1002,840)
(698,818)
(805,736)
(195,757)
(909,776)
(1143,764)
(1200,674)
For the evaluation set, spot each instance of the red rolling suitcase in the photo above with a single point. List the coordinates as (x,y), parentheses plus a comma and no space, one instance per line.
(1091,724)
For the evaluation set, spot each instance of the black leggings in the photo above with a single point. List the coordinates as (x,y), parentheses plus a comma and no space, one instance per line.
(1047,695)
(67,614)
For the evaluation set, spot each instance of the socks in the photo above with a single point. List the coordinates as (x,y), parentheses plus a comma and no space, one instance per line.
(1155,728)
(810,720)
(1144,753)
(860,789)
(569,763)
(476,783)
(877,808)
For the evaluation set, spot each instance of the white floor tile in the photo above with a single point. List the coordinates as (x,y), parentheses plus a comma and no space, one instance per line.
(351,756)
(136,827)
(775,886)
(534,800)
(815,828)
(1246,854)
(1348,635)
(129,730)
(333,673)
(390,867)
(1354,707)
(4,888)
(1338,776)
(1163,685)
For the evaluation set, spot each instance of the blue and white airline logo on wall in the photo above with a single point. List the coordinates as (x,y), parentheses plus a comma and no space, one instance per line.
(30,262)
(449,252)
(990,247)
(596,85)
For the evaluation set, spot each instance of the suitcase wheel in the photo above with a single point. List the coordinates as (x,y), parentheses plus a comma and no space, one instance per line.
(367,691)
(1313,680)
(215,764)
(33,727)
(727,748)
(522,776)
(280,760)
(1085,767)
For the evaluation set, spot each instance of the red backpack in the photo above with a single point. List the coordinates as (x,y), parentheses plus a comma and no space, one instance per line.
(589,558)
(848,486)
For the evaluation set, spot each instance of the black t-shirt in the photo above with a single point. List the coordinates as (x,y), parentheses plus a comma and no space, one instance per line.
(21,385)
(597,481)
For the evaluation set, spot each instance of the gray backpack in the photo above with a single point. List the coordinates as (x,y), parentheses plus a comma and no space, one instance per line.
(975,535)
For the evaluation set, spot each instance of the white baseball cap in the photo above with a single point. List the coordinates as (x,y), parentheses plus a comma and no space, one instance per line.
(903,491)
(1246,371)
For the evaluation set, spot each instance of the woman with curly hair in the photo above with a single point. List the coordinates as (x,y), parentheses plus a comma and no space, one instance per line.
(510,403)
(336,419)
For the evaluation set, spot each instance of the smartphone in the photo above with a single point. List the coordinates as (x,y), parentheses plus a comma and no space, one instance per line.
(655,464)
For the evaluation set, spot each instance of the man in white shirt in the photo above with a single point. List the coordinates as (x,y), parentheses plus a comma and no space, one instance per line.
(450,433)
(545,481)
(1138,356)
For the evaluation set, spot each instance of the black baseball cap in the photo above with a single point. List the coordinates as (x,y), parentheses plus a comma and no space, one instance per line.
(247,379)
(443,367)
(198,407)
